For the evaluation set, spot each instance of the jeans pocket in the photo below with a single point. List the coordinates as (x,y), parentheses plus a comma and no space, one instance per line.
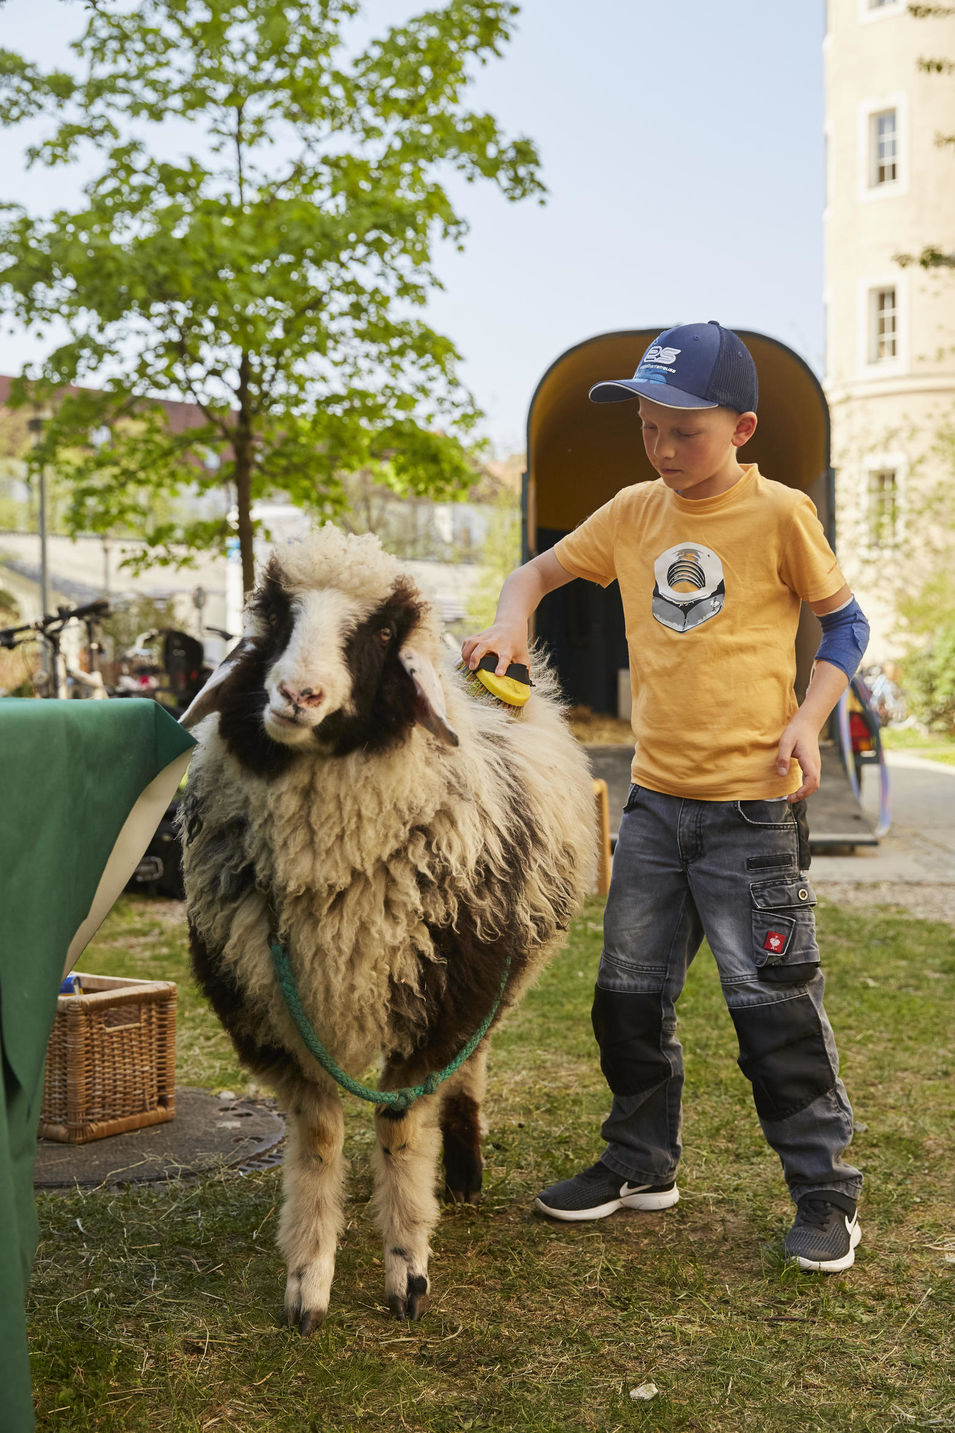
(801,816)
(632,797)
(775,812)
(784,931)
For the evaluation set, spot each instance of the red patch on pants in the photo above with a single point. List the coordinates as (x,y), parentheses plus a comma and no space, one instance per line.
(774,941)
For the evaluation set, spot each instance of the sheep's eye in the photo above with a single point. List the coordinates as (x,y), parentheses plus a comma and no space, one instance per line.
(385,634)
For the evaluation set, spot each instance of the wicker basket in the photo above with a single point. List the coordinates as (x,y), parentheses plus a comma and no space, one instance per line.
(111,1060)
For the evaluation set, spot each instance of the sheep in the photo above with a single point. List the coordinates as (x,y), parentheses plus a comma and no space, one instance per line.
(412,845)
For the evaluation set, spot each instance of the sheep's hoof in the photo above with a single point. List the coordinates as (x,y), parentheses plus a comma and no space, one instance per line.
(305,1320)
(413,1303)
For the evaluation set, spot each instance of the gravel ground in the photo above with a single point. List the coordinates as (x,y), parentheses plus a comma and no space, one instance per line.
(926,900)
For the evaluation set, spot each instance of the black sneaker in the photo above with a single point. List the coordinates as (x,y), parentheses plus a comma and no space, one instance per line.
(598,1192)
(826,1232)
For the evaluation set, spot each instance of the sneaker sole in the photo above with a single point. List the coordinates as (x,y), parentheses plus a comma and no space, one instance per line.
(833,1266)
(647,1203)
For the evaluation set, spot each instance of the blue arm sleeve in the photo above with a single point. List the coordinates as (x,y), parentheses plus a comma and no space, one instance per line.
(845,636)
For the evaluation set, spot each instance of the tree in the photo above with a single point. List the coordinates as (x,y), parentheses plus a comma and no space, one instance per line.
(405,523)
(266,261)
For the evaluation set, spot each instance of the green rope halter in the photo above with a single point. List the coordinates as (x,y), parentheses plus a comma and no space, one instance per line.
(400,1100)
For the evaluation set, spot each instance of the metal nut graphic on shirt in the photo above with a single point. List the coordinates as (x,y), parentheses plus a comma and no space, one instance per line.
(688,587)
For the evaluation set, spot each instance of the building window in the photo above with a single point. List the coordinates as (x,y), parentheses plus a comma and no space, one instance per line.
(882,507)
(883,148)
(883,325)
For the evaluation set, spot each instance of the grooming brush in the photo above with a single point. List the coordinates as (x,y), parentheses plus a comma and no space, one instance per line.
(510,691)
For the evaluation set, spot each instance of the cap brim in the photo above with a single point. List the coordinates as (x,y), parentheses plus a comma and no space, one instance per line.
(616,390)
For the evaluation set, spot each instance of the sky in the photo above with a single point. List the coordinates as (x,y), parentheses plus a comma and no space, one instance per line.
(682,148)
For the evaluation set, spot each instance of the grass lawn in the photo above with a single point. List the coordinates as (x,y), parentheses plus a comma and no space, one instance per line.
(156,1308)
(934,745)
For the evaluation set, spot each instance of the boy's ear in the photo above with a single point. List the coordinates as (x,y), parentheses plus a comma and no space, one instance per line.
(744,430)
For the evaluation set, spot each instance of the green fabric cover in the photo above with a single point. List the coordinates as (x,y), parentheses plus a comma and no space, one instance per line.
(71,772)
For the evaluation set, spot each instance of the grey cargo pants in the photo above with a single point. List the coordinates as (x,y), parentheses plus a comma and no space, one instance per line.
(733,871)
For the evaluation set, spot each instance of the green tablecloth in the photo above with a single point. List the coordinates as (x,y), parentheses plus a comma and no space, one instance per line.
(83,785)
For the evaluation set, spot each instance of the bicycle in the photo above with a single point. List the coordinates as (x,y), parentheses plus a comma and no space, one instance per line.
(59,678)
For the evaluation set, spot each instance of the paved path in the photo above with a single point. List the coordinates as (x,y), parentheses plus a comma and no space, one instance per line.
(914,865)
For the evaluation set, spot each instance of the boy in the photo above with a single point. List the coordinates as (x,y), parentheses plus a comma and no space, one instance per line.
(713,561)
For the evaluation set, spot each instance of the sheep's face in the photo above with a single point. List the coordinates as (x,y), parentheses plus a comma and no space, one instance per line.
(332,665)
(309,678)
(325,667)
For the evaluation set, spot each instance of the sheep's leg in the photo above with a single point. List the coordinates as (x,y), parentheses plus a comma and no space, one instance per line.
(405,1202)
(462,1098)
(311,1221)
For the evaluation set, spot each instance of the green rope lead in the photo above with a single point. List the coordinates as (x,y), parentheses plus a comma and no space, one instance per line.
(398,1099)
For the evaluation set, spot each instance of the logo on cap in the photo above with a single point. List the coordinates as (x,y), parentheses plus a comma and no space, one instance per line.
(656,354)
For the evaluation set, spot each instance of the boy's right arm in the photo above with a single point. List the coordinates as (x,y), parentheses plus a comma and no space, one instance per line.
(523,590)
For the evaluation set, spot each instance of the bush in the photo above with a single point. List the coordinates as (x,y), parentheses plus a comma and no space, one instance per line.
(929,677)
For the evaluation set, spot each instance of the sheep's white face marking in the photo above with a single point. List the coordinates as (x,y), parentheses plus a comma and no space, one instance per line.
(311,678)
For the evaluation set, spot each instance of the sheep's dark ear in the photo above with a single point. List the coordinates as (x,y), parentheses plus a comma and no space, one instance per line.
(208,698)
(430,709)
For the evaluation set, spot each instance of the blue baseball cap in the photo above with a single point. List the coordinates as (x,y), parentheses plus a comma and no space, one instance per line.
(696,365)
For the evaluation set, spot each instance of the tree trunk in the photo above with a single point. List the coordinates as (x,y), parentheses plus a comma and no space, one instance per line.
(243,479)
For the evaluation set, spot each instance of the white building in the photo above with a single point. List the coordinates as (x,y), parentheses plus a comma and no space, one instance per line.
(890,329)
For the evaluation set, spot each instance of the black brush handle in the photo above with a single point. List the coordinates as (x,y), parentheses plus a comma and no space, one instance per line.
(516,671)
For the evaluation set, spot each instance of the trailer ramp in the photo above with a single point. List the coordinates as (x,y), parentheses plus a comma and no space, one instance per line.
(836,819)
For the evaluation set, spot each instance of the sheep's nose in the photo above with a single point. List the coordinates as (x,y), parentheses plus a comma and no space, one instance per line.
(304,697)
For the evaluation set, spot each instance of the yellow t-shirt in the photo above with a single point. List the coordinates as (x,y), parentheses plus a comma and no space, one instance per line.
(711,591)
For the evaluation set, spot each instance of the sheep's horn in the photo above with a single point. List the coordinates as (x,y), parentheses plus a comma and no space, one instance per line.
(430,708)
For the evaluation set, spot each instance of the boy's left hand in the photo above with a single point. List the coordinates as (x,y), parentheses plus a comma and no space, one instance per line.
(800,742)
